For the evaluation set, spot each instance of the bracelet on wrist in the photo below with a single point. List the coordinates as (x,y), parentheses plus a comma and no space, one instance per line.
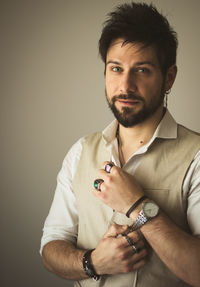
(135,205)
(88,267)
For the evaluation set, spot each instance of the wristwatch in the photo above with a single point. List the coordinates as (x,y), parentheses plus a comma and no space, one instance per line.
(149,211)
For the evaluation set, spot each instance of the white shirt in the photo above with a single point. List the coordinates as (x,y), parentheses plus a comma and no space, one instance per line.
(62,220)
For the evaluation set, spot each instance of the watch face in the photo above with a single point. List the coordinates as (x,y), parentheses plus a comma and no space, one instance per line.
(150,209)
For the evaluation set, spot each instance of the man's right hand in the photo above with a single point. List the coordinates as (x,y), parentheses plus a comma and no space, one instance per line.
(113,254)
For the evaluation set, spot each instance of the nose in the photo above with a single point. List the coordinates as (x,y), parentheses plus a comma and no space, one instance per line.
(127,83)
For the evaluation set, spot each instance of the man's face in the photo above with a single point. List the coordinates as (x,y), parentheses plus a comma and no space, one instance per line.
(134,82)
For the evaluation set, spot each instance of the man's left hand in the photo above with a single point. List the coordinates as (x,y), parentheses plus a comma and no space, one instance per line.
(119,190)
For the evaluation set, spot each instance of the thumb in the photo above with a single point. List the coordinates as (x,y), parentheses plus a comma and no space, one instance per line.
(115,230)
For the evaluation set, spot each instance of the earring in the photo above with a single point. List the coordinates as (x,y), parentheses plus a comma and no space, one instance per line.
(168,92)
(166,97)
(166,101)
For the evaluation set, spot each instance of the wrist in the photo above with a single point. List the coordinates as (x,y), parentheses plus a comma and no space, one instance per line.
(136,207)
(134,214)
(144,213)
(97,263)
(88,265)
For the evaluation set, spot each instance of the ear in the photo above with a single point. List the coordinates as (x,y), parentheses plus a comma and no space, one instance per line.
(170,77)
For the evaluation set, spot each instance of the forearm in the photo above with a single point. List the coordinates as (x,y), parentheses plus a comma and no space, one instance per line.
(176,248)
(64,259)
(113,255)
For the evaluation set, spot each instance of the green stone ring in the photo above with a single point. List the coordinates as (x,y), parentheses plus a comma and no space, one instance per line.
(97,184)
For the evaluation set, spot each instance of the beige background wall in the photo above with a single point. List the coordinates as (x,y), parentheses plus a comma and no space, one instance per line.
(52,93)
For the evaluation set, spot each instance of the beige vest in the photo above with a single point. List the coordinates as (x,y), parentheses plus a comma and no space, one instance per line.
(161,174)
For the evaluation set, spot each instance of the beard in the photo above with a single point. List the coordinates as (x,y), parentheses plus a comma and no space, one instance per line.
(127,117)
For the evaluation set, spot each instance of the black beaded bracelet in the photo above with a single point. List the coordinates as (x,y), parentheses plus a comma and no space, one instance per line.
(135,205)
(87,265)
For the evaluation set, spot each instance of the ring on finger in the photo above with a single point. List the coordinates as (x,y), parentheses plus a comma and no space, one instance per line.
(97,184)
(108,167)
(129,240)
(133,244)
(136,248)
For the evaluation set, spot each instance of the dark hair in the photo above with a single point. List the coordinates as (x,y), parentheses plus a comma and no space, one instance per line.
(142,23)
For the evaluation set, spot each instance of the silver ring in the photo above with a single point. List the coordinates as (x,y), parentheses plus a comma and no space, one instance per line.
(133,244)
(108,167)
(129,240)
(135,248)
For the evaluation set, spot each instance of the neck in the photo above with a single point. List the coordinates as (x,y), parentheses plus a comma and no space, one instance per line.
(131,139)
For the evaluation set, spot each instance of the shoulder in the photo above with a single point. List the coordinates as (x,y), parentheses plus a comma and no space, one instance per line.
(188,137)
(182,130)
(71,159)
(74,154)
(75,149)
(93,138)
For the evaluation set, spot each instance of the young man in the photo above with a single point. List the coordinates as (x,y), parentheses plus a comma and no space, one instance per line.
(127,203)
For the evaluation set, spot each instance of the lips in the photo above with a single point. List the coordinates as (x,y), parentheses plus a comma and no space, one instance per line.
(128,102)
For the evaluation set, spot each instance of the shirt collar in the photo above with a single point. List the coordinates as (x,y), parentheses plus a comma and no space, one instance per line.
(167,129)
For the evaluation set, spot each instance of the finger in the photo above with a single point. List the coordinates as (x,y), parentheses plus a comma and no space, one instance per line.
(134,245)
(132,260)
(137,248)
(107,179)
(107,166)
(103,174)
(97,184)
(139,264)
(100,191)
(115,230)
(134,235)
(113,168)
(105,163)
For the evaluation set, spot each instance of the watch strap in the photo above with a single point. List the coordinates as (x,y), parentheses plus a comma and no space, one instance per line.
(141,220)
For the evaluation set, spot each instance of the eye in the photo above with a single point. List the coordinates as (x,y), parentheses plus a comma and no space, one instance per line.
(143,70)
(116,69)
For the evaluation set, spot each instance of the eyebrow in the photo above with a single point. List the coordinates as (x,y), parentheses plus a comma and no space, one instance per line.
(113,62)
(145,63)
(136,64)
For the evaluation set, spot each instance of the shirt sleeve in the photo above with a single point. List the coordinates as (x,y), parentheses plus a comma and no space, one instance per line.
(62,220)
(192,188)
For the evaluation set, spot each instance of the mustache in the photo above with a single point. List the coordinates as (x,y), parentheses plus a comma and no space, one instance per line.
(129,96)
